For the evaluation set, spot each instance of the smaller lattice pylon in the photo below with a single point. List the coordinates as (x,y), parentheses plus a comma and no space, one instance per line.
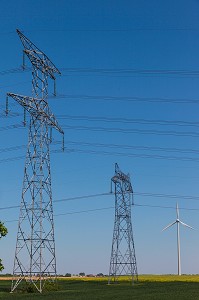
(123,259)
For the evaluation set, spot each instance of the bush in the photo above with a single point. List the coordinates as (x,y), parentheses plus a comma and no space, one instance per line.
(51,286)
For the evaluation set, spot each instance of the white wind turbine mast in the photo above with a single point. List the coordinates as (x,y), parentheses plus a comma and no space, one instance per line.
(178,222)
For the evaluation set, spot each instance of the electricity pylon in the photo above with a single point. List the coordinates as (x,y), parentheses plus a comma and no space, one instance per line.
(123,259)
(35,261)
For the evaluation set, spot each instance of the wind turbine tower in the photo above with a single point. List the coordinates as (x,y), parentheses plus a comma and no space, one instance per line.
(178,222)
(35,261)
(123,259)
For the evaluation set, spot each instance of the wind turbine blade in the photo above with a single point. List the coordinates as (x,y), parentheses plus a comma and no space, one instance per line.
(185,224)
(168,226)
(177,210)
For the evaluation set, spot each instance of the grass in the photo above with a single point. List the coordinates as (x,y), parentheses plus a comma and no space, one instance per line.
(149,287)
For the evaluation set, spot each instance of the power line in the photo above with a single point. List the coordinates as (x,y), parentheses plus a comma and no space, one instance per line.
(114,29)
(108,145)
(157,195)
(14,126)
(8,149)
(165,207)
(114,98)
(127,120)
(82,197)
(84,211)
(14,71)
(112,207)
(135,147)
(127,98)
(117,120)
(170,196)
(11,115)
(110,71)
(146,194)
(138,205)
(127,130)
(9,207)
(150,156)
(19,147)
(95,152)
(11,159)
(132,130)
(63,200)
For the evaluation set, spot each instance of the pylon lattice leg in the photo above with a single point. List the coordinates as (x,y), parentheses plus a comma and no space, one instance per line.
(35,250)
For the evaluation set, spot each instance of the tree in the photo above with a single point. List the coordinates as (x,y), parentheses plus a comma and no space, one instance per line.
(100,275)
(3,232)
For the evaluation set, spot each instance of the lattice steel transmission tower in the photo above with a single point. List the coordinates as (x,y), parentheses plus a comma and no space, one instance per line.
(123,259)
(35,261)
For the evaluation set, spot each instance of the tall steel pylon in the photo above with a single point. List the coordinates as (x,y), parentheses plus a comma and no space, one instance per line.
(123,259)
(35,261)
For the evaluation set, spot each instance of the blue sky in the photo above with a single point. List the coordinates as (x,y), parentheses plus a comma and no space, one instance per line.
(119,60)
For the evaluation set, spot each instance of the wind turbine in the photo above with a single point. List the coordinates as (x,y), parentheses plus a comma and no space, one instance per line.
(178,222)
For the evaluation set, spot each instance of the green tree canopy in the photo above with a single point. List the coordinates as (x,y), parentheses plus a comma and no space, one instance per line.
(3,232)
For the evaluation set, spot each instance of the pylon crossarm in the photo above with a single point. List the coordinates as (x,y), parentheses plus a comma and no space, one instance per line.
(41,63)
(37,57)
(33,106)
(123,178)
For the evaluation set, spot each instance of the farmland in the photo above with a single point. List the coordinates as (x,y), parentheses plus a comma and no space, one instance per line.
(158,287)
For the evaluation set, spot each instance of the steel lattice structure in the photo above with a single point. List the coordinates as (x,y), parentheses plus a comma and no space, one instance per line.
(35,260)
(123,259)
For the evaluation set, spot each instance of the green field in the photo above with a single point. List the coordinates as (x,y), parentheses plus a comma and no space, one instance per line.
(149,287)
